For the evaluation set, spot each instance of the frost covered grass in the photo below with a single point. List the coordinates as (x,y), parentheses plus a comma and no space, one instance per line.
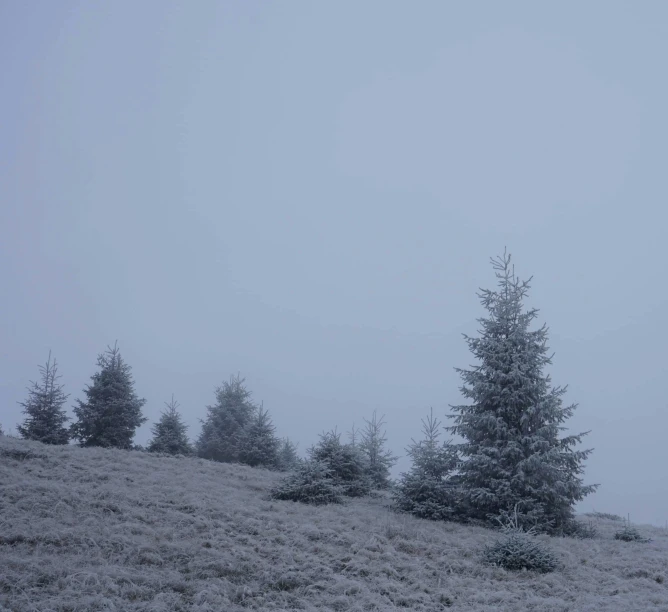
(95,529)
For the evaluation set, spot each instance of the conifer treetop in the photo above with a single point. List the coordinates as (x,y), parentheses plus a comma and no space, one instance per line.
(45,415)
(373,446)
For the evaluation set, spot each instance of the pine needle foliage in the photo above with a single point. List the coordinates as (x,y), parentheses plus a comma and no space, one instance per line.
(112,411)
(512,452)
(311,482)
(170,433)
(45,415)
(259,445)
(379,459)
(223,430)
(518,549)
(428,490)
(288,459)
(345,463)
(354,436)
(629,533)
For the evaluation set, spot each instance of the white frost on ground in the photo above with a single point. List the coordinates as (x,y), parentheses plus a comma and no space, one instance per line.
(94,529)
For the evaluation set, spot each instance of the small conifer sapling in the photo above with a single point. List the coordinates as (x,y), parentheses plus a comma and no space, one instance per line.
(170,433)
(45,416)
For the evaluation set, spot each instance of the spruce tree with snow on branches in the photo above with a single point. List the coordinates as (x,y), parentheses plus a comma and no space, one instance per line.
(513,454)
(346,463)
(429,489)
(170,433)
(223,429)
(288,459)
(112,410)
(45,415)
(311,482)
(379,459)
(259,445)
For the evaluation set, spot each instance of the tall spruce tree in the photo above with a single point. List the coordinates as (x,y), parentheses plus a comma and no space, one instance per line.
(259,444)
(170,433)
(428,490)
(112,410)
(223,431)
(45,415)
(512,455)
(373,446)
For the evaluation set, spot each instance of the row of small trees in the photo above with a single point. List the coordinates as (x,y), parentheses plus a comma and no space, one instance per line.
(235,430)
(333,470)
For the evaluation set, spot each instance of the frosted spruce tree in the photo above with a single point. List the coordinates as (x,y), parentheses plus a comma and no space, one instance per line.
(428,490)
(512,455)
(259,445)
(112,411)
(311,482)
(45,415)
(170,433)
(224,428)
(373,446)
(288,459)
(345,462)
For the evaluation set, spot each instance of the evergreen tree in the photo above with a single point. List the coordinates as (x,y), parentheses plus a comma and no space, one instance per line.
(259,444)
(46,418)
(112,410)
(429,489)
(512,454)
(354,436)
(310,483)
(170,433)
(288,459)
(378,458)
(227,420)
(345,462)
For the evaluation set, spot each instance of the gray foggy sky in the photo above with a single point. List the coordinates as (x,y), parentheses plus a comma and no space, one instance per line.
(309,193)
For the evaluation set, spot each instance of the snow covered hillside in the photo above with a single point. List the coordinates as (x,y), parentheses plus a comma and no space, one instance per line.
(95,529)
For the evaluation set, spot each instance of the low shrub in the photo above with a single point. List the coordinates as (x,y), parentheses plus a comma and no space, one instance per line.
(310,483)
(425,497)
(630,534)
(518,549)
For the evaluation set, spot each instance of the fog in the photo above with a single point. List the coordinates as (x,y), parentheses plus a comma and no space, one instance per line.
(309,193)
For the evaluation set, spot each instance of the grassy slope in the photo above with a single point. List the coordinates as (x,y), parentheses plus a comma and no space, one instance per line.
(94,529)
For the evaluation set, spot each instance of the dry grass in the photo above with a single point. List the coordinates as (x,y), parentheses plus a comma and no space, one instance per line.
(94,529)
